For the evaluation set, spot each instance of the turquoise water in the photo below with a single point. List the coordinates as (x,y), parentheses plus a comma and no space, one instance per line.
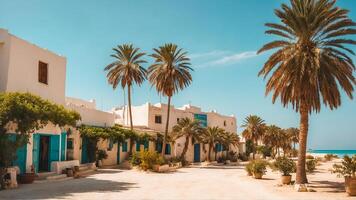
(340,153)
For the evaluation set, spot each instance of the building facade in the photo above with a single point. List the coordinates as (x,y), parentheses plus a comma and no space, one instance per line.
(153,117)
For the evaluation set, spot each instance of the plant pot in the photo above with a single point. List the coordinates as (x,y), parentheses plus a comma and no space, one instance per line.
(258,175)
(27,178)
(286,179)
(350,186)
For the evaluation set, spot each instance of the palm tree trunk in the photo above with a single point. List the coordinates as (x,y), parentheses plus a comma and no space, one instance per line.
(185,149)
(254,150)
(209,153)
(130,113)
(167,125)
(301,176)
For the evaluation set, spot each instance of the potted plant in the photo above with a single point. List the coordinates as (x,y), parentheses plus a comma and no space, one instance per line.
(259,168)
(347,169)
(100,156)
(286,166)
(27,178)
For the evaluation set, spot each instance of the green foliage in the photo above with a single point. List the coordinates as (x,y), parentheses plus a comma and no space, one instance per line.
(146,159)
(329,157)
(243,157)
(310,165)
(101,155)
(259,166)
(347,168)
(28,113)
(264,150)
(285,165)
(250,147)
(309,157)
(248,168)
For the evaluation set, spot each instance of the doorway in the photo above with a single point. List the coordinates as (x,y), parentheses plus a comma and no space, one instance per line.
(197,152)
(44,154)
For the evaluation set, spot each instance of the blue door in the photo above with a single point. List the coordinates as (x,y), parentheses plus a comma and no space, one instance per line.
(63,146)
(53,149)
(84,150)
(118,153)
(196,152)
(36,151)
(21,155)
(146,144)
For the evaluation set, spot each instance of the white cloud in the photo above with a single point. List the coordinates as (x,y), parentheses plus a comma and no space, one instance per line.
(208,54)
(218,58)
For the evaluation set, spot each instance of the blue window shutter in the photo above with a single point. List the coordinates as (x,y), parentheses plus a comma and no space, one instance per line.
(168,149)
(63,146)
(36,151)
(159,147)
(138,146)
(146,144)
(124,147)
(54,150)
(111,145)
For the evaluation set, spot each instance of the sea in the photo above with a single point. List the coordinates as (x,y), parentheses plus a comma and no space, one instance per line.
(340,153)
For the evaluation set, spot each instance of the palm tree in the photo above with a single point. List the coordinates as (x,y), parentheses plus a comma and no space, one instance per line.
(211,136)
(127,70)
(272,138)
(293,134)
(169,73)
(254,129)
(311,62)
(188,129)
(230,139)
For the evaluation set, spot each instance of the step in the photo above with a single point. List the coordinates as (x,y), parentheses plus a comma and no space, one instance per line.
(57,176)
(43,175)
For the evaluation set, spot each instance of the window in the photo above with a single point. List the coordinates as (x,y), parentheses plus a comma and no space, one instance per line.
(177,120)
(70,143)
(43,72)
(224,123)
(124,147)
(158,119)
(159,147)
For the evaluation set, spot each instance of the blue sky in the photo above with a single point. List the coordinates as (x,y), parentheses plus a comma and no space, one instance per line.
(220,36)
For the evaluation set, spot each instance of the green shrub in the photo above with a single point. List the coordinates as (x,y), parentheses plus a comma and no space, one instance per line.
(329,157)
(150,158)
(233,156)
(264,150)
(311,165)
(309,157)
(248,168)
(285,165)
(347,168)
(259,166)
(135,159)
(243,157)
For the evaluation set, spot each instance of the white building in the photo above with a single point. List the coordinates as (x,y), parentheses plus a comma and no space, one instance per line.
(25,67)
(153,117)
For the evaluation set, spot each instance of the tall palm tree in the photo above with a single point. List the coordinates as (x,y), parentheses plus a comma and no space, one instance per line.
(230,139)
(211,136)
(127,70)
(188,129)
(254,129)
(169,73)
(311,62)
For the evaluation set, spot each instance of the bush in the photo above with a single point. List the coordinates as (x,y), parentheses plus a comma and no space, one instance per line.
(310,165)
(264,150)
(259,166)
(285,165)
(347,167)
(248,168)
(135,159)
(329,157)
(243,157)
(309,157)
(149,158)
(101,155)
(294,152)
(233,156)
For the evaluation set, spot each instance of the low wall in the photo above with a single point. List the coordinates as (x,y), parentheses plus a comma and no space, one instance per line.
(59,166)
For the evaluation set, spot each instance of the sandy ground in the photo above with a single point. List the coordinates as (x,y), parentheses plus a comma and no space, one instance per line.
(218,182)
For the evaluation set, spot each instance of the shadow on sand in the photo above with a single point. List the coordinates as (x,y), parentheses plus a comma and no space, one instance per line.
(328,186)
(65,189)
